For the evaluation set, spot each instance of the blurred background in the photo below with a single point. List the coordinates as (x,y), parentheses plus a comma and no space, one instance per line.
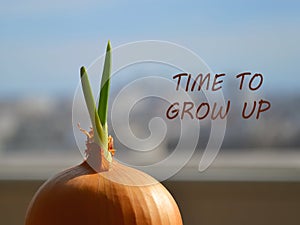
(44,43)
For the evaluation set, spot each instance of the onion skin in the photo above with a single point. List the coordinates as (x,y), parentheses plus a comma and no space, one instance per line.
(81,196)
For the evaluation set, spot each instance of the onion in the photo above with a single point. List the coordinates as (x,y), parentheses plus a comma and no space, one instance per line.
(84,197)
(101,191)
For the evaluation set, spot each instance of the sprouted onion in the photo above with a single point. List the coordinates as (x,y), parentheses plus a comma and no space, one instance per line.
(101,191)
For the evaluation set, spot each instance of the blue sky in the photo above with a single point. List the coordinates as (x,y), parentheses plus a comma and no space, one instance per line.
(43,43)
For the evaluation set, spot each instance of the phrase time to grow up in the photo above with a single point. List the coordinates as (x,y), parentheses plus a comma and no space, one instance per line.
(206,82)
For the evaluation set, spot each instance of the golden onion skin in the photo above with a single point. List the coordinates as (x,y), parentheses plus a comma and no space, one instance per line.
(81,196)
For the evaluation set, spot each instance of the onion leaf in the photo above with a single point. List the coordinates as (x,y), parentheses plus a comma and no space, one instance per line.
(104,88)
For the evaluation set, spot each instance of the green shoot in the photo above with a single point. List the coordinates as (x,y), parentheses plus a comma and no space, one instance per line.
(104,88)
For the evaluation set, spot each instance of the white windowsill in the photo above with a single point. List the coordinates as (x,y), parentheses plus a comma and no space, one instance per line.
(257,165)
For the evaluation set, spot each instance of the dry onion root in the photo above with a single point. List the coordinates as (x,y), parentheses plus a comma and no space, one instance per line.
(101,191)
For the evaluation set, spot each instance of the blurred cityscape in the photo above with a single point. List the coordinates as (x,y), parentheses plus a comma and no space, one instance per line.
(45,124)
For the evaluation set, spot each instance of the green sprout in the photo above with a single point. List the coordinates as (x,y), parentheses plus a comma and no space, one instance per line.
(99,116)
